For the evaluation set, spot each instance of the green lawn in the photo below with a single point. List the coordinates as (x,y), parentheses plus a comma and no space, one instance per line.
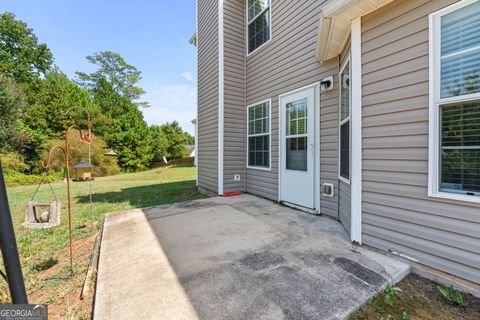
(38,248)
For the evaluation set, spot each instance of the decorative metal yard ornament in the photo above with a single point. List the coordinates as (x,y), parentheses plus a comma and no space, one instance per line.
(86,138)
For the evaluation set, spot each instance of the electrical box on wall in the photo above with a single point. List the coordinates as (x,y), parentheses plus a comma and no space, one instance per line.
(328,190)
(236,177)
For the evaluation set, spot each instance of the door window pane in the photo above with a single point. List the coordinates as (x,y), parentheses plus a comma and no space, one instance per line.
(460,52)
(460,148)
(296,118)
(297,154)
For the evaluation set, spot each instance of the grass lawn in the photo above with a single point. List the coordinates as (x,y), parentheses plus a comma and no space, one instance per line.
(44,253)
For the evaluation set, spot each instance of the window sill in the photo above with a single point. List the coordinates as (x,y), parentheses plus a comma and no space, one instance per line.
(454,196)
(258,48)
(347,181)
(260,168)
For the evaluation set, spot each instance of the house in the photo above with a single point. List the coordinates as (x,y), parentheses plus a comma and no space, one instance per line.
(366,111)
(191,150)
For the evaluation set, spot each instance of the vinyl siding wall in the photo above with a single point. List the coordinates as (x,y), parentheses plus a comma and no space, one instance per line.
(397,213)
(284,64)
(207,122)
(234,95)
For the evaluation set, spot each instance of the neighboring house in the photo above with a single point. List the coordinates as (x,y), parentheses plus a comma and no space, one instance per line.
(191,150)
(194,121)
(363,111)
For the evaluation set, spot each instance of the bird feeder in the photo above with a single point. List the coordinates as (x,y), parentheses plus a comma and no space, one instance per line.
(43,214)
(83,171)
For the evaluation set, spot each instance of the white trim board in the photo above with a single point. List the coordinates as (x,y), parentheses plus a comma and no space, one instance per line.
(196,98)
(356,132)
(221,92)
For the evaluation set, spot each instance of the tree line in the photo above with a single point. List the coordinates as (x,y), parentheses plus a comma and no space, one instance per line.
(38,102)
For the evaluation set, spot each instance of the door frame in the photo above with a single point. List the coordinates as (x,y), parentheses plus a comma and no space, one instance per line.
(316,135)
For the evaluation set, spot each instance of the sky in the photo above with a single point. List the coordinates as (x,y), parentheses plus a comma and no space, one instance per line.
(152,35)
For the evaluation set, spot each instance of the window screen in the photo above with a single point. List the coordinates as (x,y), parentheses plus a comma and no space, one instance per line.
(460,51)
(460,148)
(259,135)
(258,23)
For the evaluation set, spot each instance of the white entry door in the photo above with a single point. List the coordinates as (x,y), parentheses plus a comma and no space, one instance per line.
(297,148)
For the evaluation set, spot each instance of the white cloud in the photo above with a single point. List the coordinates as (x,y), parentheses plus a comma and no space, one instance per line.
(188,76)
(172,102)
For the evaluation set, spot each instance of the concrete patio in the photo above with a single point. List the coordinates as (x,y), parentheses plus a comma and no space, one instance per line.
(234,258)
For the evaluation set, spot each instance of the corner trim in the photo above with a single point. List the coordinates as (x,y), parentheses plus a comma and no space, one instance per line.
(221,102)
(196,98)
(356,133)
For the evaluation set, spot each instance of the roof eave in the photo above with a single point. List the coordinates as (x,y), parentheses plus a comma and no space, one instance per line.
(335,21)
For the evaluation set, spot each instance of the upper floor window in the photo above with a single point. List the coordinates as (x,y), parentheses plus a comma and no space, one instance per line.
(455,102)
(259,135)
(344,132)
(259,23)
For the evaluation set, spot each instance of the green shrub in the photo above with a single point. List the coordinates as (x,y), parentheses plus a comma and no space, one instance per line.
(103,166)
(13,179)
(13,162)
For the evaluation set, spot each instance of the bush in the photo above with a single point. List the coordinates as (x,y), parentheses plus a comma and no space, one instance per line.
(13,163)
(13,179)
(103,166)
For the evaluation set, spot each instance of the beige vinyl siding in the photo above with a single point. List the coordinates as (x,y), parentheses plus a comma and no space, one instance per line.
(234,95)
(284,64)
(344,190)
(207,122)
(344,205)
(397,213)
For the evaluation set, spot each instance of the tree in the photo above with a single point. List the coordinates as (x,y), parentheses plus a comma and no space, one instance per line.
(12,105)
(114,69)
(57,104)
(176,138)
(160,144)
(123,127)
(189,138)
(22,58)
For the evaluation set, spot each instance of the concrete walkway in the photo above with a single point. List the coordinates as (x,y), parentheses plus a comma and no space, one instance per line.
(233,258)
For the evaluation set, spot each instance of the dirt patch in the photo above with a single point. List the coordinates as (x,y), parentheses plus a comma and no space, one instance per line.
(57,288)
(416,298)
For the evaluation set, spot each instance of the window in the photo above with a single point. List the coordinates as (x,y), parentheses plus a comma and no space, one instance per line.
(259,23)
(259,135)
(297,135)
(455,102)
(344,130)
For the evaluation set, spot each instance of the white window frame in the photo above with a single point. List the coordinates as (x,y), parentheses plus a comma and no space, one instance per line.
(269,168)
(435,101)
(247,23)
(347,119)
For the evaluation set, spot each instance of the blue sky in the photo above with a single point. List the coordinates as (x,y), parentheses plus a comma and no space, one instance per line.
(152,35)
